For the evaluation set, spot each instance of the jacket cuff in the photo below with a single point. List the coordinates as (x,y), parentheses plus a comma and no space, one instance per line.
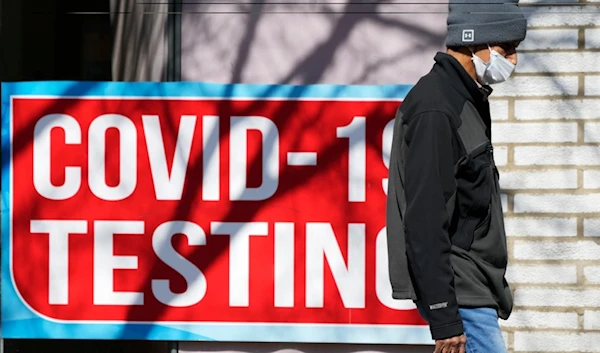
(447,331)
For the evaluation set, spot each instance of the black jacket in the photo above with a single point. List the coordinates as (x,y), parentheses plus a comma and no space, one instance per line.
(445,226)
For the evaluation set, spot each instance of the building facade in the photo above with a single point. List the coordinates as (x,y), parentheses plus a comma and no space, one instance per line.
(546,132)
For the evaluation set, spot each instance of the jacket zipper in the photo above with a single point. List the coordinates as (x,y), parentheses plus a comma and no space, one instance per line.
(489,149)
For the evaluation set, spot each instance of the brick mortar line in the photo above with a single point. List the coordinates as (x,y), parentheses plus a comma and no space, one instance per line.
(550,144)
(566,308)
(549,74)
(551,214)
(549,239)
(561,72)
(515,261)
(552,191)
(552,352)
(511,109)
(536,168)
(548,189)
(511,351)
(519,215)
(545,215)
(500,143)
(579,3)
(547,121)
(556,285)
(562,309)
(510,154)
(516,237)
(554,215)
(510,342)
(559,27)
(566,331)
(564,26)
(554,239)
(571,285)
(543,329)
(553,97)
(579,50)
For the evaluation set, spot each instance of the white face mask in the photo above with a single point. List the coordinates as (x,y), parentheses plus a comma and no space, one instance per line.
(497,70)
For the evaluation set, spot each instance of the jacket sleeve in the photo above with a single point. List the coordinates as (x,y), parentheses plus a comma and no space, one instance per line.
(429,182)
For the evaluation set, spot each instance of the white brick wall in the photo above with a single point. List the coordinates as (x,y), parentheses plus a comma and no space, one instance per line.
(592,85)
(558,62)
(553,297)
(557,203)
(551,39)
(591,179)
(547,136)
(499,109)
(556,342)
(534,86)
(557,155)
(592,38)
(554,250)
(540,319)
(539,179)
(591,320)
(534,132)
(562,16)
(557,109)
(541,226)
(592,274)
(501,155)
(591,132)
(543,274)
(591,227)
(504,199)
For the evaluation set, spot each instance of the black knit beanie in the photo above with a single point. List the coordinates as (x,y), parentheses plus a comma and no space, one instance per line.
(474,22)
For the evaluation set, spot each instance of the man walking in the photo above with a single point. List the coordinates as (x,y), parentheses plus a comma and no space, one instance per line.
(446,238)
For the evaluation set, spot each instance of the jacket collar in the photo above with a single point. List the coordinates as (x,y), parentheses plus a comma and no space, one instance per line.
(460,79)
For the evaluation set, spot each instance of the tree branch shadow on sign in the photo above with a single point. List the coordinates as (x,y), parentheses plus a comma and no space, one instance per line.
(309,70)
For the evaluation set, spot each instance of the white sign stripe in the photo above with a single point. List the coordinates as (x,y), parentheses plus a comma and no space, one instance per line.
(301,158)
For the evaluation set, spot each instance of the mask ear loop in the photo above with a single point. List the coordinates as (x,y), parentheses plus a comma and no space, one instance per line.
(473,56)
(473,53)
(492,51)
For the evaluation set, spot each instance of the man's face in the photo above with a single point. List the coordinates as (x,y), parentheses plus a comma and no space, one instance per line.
(507,50)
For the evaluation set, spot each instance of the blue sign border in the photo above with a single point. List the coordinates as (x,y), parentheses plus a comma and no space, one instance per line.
(19,321)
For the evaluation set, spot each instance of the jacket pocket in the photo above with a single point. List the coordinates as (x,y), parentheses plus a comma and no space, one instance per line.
(475,183)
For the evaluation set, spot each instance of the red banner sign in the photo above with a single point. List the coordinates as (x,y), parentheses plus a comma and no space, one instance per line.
(203,210)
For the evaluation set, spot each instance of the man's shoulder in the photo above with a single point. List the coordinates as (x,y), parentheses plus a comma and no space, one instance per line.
(431,93)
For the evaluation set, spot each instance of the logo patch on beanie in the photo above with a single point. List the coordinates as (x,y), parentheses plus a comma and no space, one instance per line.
(468,35)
